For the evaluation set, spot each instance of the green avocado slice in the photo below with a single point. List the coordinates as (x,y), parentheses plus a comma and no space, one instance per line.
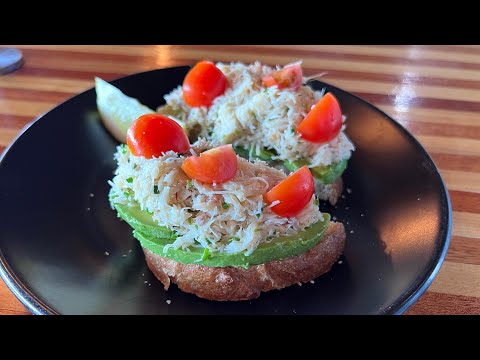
(279,248)
(264,154)
(324,174)
(142,221)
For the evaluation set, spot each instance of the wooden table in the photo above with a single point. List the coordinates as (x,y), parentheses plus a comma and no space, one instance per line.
(434,91)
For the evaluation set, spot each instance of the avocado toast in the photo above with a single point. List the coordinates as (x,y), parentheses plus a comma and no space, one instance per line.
(269,114)
(227,233)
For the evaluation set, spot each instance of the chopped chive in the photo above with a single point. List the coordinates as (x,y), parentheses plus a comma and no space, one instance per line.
(129,180)
(225,205)
(189,221)
(258,215)
(189,184)
(317,202)
(155,189)
(196,227)
(292,130)
(206,252)
(123,149)
(126,194)
(149,212)
(233,238)
(205,255)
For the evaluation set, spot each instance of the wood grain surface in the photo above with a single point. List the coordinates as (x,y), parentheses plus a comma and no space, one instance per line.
(434,91)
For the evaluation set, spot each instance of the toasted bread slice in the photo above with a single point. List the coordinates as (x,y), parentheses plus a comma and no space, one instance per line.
(236,283)
(330,192)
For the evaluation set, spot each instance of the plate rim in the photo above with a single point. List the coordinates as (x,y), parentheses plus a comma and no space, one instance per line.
(21,292)
(399,306)
(409,298)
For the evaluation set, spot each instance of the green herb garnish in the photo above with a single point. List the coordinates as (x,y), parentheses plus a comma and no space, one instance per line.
(205,255)
(189,184)
(129,180)
(206,252)
(225,206)
(155,189)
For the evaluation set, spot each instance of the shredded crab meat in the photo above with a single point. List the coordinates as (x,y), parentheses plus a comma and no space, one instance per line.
(229,217)
(276,202)
(254,117)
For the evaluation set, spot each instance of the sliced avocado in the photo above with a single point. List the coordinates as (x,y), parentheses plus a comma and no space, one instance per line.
(294,165)
(264,154)
(154,238)
(328,174)
(240,150)
(142,221)
(324,174)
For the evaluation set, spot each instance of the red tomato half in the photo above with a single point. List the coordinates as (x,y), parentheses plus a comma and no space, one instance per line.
(203,83)
(290,76)
(323,122)
(294,193)
(153,134)
(216,165)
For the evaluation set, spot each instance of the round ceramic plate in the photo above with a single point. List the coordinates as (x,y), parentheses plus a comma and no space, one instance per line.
(57,226)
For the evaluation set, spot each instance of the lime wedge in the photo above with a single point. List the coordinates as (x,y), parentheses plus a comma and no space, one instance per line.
(117,110)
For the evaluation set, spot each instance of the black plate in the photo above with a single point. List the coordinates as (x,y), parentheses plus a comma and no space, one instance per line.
(54,235)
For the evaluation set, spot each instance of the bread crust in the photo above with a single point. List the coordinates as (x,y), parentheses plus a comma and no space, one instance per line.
(236,283)
(330,192)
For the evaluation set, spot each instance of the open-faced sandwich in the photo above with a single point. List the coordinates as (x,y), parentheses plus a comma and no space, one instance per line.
(266,113)
(219,226)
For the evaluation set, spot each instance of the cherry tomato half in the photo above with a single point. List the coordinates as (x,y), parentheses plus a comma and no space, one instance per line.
(203,83)
(290,76)
(294,192)
(216,165)
(323,122)
(153,134)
